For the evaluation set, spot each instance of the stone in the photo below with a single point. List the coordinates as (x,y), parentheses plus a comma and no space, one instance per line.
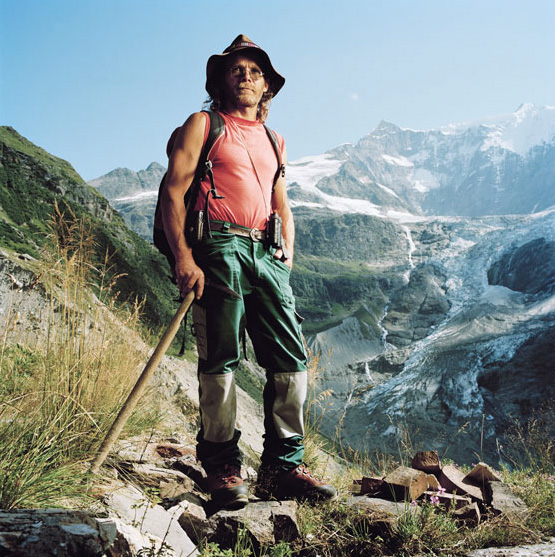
(192,518)
(174,489)
(469,514)
(482,473)
(191,469)
(174,450)
(150,474)
(405,483)
(263,522)
(133,507)
(426,461)
(136,449)
(544,549)
(130,541)
(371,486)
(383,515)
(48,532)
(448,500)
(433,482)
(504,502)
(453,480)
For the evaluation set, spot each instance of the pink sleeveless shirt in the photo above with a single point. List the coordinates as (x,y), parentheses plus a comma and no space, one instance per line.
(244,166)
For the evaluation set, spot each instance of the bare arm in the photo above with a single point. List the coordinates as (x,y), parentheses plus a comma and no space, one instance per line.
(181,171)
(280,204)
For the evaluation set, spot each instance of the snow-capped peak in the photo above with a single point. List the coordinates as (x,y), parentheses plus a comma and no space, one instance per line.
(528,126)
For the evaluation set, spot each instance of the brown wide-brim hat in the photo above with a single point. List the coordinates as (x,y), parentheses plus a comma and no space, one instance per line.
(242,43)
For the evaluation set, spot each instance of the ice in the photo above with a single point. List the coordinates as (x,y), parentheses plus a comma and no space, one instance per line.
(388,190)
(500,296)
(308,171)
(424,180)
(138,196)
(399,161)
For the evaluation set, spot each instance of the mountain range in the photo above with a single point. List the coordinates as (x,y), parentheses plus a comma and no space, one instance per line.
(424,265)
(502,165)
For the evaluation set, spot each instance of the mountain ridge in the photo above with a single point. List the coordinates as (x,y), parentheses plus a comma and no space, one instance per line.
(32,182)
(402,269)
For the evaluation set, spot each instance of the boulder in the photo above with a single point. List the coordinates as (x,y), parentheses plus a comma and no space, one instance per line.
(383,515)
(448,500)
(469,514)
(371,486)
(426,461)
(150,474)
(504,502)
(405,483)
(47,532)
(482,473)
(433,482)
(160,526)
(454,480)
(262,522)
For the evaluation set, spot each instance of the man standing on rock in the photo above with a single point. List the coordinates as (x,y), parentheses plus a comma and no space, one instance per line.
(240,277)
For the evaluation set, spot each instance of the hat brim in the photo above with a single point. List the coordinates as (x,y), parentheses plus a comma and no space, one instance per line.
(215,64)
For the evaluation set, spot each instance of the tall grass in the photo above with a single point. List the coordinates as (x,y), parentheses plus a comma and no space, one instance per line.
(63,382)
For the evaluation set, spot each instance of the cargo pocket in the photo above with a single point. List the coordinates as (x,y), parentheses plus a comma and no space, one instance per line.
(281,274)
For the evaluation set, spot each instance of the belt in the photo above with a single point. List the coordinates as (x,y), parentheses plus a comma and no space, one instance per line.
(254,234)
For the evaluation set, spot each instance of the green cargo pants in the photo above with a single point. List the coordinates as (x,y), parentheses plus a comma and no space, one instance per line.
(248,289)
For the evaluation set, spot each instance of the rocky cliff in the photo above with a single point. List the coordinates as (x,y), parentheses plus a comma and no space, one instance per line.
(460,357)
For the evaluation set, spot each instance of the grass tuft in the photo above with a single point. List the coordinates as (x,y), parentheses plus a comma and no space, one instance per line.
(62,385)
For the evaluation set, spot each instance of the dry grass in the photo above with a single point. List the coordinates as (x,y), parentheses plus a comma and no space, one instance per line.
(61,388)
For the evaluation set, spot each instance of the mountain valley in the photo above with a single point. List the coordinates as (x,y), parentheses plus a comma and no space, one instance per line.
(425,269)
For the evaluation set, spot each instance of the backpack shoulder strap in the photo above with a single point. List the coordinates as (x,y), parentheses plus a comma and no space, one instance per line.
(216,129)
(281,167)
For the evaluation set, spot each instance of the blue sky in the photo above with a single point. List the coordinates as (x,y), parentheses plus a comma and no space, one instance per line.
(102,83)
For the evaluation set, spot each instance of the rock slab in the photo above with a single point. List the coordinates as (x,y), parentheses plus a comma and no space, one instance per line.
(262,522)
(64,533)
(153,521)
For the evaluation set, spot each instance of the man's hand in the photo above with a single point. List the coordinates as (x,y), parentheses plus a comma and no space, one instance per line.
(189,277)
(279,254)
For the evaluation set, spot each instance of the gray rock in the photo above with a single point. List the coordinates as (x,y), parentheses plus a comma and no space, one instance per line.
(383,515)
(469,514)
(546,549)
(262,522)
(504,502)
(530,268)
(49,532)
(162,527)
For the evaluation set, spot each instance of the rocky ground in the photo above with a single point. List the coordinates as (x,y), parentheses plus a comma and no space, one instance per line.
(149,495)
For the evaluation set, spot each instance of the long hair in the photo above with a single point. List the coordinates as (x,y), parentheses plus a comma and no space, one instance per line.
(216,102)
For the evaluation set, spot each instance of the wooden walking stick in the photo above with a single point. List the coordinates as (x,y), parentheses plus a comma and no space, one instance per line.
(141,383)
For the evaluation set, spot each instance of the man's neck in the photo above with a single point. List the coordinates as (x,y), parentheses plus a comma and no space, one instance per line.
(244,112)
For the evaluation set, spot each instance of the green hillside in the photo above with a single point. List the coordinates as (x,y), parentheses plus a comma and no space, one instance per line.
(32,182)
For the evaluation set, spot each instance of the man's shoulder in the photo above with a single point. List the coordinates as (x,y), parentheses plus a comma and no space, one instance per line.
(277,136)
(196,123)
(197,117)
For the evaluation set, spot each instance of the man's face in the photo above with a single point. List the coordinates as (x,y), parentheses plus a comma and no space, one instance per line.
(244,83)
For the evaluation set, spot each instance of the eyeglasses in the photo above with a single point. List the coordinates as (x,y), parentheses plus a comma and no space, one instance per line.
(240,71)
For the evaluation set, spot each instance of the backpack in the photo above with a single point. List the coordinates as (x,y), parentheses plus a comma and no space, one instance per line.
(204,167)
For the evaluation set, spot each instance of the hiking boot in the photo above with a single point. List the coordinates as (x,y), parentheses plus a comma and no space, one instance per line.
(227,488)
(298,483)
